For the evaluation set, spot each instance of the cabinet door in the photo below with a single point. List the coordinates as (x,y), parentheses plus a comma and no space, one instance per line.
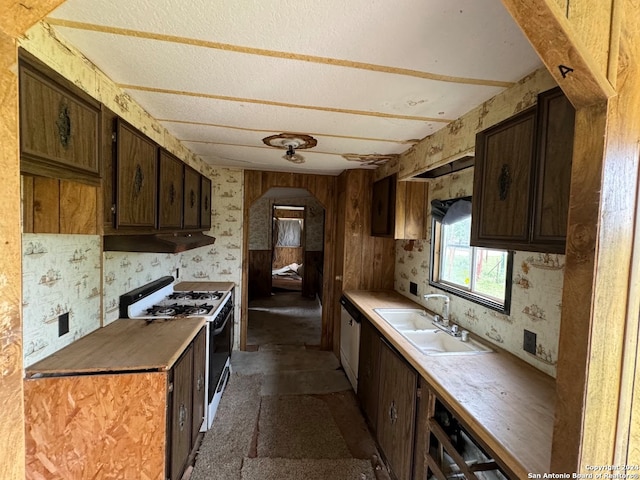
(368,372)
(411,210)
(58,128)
(205,207)
(181,419)
(397,412)
(199,366)
(191,198)
(502,183)
(383,207)
(170,193)
(136,178)
(556,120)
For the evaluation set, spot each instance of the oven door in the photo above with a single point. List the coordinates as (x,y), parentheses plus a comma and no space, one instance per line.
(219,351)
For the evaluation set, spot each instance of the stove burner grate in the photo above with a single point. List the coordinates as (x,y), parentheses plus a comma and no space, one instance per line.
(195,296)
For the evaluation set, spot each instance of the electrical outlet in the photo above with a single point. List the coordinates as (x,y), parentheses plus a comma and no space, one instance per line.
(530,342)
(63,324)
(413,288)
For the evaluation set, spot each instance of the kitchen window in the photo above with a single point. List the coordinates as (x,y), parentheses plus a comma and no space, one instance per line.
(480,275)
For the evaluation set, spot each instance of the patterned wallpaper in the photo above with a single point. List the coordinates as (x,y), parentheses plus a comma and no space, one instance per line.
(260,222)
(536,290)
(60,274)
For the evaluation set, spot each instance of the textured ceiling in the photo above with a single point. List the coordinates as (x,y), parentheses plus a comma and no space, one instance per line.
(361,76)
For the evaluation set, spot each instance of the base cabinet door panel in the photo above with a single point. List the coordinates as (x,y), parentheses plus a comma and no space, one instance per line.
(181,420)
(199,371)
(396,411)
(368,372)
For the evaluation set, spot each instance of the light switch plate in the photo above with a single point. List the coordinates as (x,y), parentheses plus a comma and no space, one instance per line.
(413,288)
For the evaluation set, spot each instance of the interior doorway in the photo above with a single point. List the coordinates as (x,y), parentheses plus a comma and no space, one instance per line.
(285,274)
(287,248)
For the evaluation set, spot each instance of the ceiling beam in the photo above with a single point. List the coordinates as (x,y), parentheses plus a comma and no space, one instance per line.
(557,43)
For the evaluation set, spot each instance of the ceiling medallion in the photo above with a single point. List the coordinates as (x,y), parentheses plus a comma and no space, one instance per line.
(374,159)
(290,142)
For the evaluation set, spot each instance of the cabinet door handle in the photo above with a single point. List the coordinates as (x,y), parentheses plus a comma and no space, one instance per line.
(504,181)
(393,412)
(172,194)
(182,416)
(192,198)
(138,180)
(64,124)
(199,384)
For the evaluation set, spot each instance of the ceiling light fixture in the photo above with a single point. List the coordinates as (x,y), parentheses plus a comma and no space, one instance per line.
(290,142)
(291,155)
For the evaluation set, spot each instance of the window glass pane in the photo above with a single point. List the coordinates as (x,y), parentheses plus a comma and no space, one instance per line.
(490,273)
(455,258)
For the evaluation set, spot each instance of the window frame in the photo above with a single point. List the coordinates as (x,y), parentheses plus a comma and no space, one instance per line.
(436,240)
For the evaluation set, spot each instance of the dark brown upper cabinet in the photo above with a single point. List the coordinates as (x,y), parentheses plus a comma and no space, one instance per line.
(136,178)
(398,209)
(59,125)
(191,198)
(522,178)
(170,191)
(205,203)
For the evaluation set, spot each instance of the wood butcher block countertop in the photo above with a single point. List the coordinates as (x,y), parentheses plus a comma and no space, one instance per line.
(508,404)
(124,345)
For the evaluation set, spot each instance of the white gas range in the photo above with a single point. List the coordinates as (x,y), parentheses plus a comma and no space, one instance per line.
(158,299)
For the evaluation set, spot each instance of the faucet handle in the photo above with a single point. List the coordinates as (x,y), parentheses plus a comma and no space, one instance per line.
(436,318)
(454,330)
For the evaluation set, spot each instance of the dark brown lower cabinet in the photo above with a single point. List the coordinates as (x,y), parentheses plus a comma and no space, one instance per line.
(187,404)
(368,372)
(396,411)
(181,410)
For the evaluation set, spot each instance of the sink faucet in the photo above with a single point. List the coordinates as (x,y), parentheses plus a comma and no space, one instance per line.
(445,313)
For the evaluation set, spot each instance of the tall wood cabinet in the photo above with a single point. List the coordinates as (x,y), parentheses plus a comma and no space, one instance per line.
(522,178)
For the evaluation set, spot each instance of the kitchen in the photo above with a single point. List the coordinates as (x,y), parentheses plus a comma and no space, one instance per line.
(227,183)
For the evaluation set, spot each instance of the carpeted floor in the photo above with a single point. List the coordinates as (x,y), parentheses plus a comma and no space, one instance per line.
(288,413)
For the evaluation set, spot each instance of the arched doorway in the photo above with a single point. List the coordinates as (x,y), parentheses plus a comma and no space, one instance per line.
(285,269)
(323,189)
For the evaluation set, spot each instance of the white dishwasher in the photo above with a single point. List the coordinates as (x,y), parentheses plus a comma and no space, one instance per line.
(349,340)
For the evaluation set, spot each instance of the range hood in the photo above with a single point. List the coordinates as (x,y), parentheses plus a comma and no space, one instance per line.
(158,243)
(451,167)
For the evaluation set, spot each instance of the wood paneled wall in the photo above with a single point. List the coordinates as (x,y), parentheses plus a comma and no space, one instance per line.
(259,273)
(283,256)
(323,187)
(59,206)
(311,274)
(362,262)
